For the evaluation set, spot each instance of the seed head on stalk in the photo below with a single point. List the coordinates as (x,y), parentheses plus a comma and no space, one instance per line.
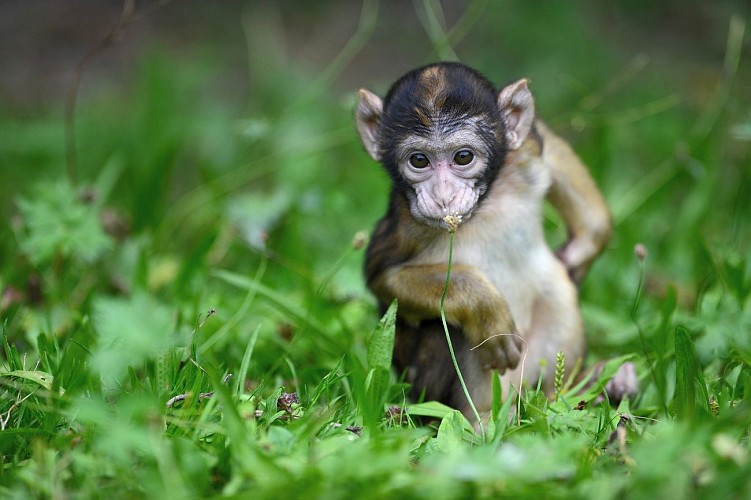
(452,222)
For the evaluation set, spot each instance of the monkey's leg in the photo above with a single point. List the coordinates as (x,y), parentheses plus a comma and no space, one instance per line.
(624,384)
(421,352)
(576,197)
(555,326)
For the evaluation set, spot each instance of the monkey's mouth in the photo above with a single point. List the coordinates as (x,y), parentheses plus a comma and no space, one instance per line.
(449,216)
(449,222)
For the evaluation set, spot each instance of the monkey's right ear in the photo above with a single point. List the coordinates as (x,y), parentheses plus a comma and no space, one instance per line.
(368,118)
(518,108)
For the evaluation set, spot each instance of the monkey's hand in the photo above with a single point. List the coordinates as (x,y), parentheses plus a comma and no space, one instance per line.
(491,330)
(577,255)
(472,303)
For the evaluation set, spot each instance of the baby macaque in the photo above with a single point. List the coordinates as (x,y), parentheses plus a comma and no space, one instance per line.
(454,146)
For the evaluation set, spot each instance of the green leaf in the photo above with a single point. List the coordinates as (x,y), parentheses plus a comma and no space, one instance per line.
(690,387)
(256,214)
(56,219)
(381,346)
(11,353)
(734,273)
(280,439)
(451,432)
(271,413)
(501,414)
(131,331)
(40,378)
(434,409)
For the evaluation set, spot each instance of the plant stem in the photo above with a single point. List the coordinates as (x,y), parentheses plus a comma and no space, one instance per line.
(448,337)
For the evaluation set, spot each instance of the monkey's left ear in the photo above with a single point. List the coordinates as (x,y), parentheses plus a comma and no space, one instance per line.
(368,118)
(518,108)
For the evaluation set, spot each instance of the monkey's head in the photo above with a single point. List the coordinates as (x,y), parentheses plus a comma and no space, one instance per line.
(442,133)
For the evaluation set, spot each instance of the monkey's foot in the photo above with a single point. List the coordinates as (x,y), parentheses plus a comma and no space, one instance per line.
(624,384)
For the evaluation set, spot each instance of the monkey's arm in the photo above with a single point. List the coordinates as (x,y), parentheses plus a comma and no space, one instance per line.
(576,197)
(472,303)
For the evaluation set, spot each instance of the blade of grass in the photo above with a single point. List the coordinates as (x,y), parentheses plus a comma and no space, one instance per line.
(733,52)
(380,350)
(241,312)
(245,364)
(283,305)
(434,23)
(690,386)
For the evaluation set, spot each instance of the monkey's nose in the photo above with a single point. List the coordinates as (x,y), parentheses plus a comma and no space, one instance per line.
(444,200)
(447,205)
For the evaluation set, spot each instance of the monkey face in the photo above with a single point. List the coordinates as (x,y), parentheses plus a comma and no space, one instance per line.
(444,169)
(442,133)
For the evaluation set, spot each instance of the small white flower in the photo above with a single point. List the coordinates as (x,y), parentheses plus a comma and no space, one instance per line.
(452,222)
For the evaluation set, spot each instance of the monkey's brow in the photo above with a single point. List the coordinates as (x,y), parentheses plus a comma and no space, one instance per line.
(442,140)
(449,124)
(446,123)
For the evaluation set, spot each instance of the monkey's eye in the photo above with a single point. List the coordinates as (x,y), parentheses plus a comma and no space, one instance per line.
(464,157)
(419,160)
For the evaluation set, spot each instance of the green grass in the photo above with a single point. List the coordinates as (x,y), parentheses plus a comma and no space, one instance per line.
(158,316)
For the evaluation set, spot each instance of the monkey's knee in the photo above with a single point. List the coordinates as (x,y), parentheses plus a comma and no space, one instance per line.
(422,355)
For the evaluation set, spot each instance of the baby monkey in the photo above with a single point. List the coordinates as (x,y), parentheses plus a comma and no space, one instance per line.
(454,146)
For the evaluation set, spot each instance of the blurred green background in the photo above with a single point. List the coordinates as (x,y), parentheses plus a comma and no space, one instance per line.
(224,129)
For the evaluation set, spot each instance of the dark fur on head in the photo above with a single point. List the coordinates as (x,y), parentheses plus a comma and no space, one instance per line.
(442,96)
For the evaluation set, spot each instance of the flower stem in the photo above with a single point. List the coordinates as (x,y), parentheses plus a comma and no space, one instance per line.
(448,337)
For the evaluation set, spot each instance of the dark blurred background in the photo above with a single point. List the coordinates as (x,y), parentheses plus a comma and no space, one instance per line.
(42,41)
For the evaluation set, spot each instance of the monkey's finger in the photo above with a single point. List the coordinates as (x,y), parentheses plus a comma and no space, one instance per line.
(513,350)
(494,356)
(504,351)
(577,254)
